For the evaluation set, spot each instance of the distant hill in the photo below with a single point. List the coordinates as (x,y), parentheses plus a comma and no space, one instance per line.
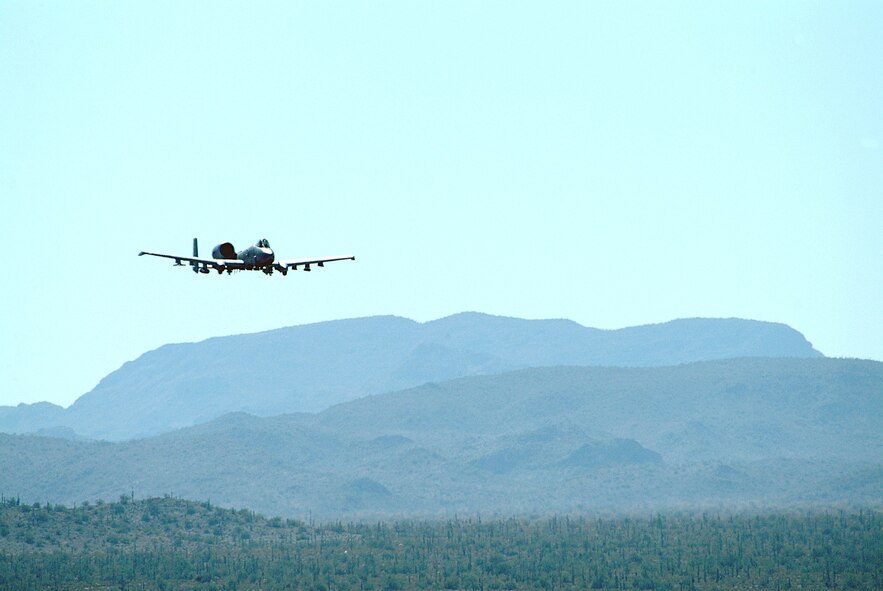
(312,367)
(725,433)
(25,418)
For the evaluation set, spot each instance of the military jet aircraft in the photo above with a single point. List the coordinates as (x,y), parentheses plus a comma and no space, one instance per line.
(259,257)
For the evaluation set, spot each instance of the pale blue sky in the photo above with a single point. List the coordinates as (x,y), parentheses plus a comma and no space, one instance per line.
(615,163)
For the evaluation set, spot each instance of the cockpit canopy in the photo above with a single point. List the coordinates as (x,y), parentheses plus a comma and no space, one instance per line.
(263,243)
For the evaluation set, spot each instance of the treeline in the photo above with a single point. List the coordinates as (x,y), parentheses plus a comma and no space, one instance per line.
(159,544)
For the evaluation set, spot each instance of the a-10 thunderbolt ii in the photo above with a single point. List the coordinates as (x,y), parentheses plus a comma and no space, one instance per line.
(258,257)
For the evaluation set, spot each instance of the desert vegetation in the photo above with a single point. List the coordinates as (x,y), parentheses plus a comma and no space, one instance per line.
(168,543)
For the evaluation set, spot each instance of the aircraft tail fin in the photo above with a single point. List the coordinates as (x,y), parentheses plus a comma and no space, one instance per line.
(195,255)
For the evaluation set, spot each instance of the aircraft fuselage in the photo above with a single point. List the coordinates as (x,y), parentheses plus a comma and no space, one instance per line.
(256,257)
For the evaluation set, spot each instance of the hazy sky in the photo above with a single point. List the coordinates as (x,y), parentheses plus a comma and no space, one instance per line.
(615,163)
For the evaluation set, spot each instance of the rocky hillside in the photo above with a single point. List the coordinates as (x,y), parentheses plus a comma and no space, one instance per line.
(735,433)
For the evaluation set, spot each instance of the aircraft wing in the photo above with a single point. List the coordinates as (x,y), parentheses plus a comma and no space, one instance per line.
(218,264)
(305,263)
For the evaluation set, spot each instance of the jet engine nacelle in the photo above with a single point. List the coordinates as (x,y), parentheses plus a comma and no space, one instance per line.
(224,251)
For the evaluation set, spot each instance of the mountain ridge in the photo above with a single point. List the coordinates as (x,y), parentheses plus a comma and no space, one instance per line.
(311,367)
(759,432)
